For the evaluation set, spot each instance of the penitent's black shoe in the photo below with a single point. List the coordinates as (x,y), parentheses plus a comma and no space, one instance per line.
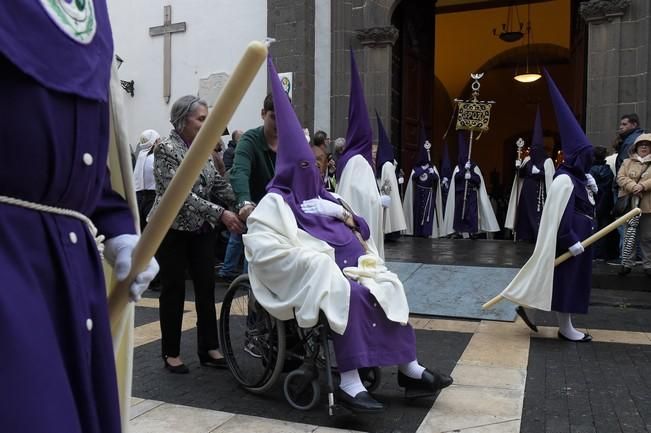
(586,338)
(363,402)
(428,385)
(525,318)
(623,271)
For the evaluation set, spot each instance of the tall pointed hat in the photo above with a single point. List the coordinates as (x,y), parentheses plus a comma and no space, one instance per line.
(538,155)
(297,177)
(573,139)
(359,137)
(446,169)
(423,154)
(384,147)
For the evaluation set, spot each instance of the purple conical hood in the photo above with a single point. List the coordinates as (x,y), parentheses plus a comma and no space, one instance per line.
(538,155)
(359,137)
(446,169)
(384,147)
(297,177)
(423,154)
(573,139)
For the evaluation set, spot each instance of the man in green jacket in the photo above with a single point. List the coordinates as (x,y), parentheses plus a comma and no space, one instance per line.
(253,167)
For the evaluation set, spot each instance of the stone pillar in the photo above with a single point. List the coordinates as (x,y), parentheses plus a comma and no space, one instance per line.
(362,24)
(618,65)
(291,23)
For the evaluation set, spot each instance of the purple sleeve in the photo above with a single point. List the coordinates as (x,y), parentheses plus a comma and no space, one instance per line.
(112,215)
(362,227)
(566,236)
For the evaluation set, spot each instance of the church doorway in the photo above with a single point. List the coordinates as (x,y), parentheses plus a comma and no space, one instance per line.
(442,42)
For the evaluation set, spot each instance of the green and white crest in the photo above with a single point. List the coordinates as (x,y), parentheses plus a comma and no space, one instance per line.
(76,18)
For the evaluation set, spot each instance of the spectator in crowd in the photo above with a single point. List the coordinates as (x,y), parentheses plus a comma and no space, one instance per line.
(189,244)
(605,248)
(229,153)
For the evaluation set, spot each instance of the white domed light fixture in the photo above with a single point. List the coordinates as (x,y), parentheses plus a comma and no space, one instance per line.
(527,76)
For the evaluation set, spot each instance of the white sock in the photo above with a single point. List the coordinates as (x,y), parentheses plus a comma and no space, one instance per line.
(412,369)
(351,384)
(565,327)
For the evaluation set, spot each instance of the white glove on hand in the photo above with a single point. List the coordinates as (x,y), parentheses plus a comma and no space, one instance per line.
(118,251)
(534,169)
(385,200)
(445,181)
(467,166)
(323,207)
(576,249)
(518,163)
(592,184)
(467,175)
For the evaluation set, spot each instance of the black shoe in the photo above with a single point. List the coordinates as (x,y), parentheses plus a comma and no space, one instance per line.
(428,385)
(586,338)
(363,402)
(178,369)
(623,271)
(525,318)
(209,361)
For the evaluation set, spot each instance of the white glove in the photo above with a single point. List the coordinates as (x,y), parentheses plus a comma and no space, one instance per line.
(534,169)
(385,200)
(445,181)
(467,175)
(467,166)
(118,251)
(401,180)
(576,249)
(323,207)
(518,163)
(592,184)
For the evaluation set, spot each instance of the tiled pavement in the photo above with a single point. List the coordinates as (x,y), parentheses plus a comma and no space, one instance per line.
(505,381)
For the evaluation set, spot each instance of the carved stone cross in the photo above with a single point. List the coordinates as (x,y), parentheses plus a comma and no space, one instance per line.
(166,31)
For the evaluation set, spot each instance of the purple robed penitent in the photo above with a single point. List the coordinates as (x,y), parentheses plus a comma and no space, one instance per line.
(533,191)
(425,188)
(466,213)
(370,338)
(573,278)
(58,371)
(446,173)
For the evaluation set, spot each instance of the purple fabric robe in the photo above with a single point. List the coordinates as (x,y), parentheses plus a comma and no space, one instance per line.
(58,372)
(573,278)
(530,205)
(370,339)
(424,200)
(470,221)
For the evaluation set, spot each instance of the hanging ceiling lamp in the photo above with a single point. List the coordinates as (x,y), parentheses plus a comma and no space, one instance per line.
(512,28)
(527,76)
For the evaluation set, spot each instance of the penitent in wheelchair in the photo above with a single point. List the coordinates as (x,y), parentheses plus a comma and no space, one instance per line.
(259,349)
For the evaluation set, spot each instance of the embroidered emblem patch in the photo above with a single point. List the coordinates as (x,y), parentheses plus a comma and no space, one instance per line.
(76,18)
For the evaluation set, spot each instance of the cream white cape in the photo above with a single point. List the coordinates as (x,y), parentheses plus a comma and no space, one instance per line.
(294,274)
(533,285)
(509,223)
(358,188)
(408,208)
(394,219)
(487,220)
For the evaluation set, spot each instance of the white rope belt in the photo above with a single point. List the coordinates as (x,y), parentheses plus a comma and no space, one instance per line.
(59,211)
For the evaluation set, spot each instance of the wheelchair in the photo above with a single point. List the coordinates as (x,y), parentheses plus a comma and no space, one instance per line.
(259,349)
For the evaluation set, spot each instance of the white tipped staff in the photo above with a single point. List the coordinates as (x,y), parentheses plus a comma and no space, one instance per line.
(189,169)
(589,241)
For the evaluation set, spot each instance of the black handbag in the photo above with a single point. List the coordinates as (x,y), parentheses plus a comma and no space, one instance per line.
(622,205)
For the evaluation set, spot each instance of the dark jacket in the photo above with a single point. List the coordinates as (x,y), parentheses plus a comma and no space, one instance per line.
(229,154)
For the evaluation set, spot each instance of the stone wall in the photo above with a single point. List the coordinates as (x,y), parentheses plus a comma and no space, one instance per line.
(291,23)
(618,65)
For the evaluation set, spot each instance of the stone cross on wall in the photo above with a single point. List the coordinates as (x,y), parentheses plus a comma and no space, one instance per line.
(166,31)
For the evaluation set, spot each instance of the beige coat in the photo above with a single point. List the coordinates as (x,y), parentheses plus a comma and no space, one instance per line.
(629,175)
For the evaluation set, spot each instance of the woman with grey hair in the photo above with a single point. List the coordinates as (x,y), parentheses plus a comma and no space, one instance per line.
(189,244)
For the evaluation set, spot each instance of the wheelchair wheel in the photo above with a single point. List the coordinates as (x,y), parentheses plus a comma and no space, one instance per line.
(371,377)
(302,389)
(252,341)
